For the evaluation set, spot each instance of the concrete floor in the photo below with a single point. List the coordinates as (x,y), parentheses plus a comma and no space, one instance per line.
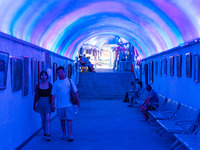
(105,125)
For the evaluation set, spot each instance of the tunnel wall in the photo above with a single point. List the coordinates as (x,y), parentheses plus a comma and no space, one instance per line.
(18,121)
(182,89)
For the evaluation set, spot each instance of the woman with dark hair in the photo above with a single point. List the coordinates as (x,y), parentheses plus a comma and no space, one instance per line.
(42,103)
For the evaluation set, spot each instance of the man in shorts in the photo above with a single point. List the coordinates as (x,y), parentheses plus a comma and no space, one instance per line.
(61,90)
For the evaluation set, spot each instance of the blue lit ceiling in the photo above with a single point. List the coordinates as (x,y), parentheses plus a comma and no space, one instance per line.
(63,26)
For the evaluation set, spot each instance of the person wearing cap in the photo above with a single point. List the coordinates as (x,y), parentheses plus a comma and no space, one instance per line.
(150,102)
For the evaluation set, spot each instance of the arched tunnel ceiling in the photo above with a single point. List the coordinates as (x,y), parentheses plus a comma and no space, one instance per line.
(63,26)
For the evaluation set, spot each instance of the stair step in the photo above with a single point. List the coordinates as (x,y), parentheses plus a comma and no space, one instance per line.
(104,86)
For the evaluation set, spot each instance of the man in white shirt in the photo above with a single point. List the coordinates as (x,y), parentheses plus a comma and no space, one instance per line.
(134,93)
(61,89)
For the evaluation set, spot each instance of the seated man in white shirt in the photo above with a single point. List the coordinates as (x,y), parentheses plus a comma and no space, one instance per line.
(134,93)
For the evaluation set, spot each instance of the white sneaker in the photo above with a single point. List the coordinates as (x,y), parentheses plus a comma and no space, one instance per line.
(70,139)
(64,137)
(48,138)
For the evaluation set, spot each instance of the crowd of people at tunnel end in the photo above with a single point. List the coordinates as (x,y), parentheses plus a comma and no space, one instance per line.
(85,62)
(136,91)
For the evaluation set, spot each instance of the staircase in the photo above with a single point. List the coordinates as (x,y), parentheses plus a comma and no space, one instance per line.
(104,86)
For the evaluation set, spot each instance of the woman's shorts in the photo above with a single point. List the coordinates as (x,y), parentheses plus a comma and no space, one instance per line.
(66,113)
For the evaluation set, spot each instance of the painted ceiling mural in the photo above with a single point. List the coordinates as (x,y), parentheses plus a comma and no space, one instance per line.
(63,26)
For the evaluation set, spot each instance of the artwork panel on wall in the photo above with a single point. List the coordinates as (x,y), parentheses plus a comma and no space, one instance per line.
(165,66)
(54,72)
(34,74)
(179,65)
(73,69)
(48,60)
(140,71)
(146,73)
(160,67)
(66,70)
(188,58)
(171,60)
(151,71)
(69,71)
(196,68)
(4,59)
(156,68)
(16,73)
(25,75)
(42,66)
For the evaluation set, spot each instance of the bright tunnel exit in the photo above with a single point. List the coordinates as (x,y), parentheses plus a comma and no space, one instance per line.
(107,51)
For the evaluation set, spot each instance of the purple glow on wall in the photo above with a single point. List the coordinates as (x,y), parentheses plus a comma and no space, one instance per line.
(62,27)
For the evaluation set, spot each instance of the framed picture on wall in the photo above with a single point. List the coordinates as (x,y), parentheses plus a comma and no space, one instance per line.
(73,69)
(4,59)
(146,73)
(160,67)
(42,66)
(69,71)
(16,72)
(66,70)
(165,66)
(34,74)
(156,68)
(188,58)
(196,68)
(48,60)
(171,61)
(151,71)
(179,65)
(25,75)
(54,72)
(140,71)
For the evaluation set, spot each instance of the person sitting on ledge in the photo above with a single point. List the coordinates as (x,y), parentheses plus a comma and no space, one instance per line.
(150,102)
(134,93)
(126,99)
(86,63)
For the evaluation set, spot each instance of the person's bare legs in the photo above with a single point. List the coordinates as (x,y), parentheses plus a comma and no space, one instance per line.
(43,123)
(69,129)
(145,113)
(92,68)
(48,115)
(63,126)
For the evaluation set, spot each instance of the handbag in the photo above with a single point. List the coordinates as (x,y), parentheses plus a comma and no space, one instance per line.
(73,97)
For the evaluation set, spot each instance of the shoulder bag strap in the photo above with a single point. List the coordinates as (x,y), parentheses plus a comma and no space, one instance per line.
(70,83)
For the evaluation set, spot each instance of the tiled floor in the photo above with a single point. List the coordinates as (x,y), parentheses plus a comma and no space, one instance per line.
(105,125)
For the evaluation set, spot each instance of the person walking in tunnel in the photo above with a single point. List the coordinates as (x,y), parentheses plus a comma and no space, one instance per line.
(65,111)
(150,102)
(42,103)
